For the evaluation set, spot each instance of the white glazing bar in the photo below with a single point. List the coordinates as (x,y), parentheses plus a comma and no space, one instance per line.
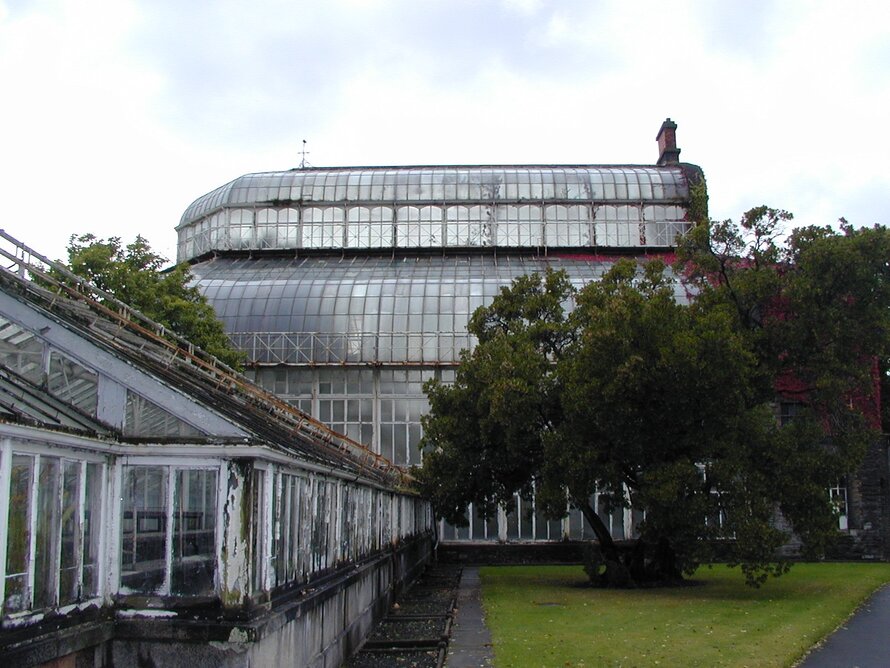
(278,518)
(338,512)
(222,481)
(266,521)
(81,525)
(32,538)
(55,536)
(168,530)
(111,535)
(5,475)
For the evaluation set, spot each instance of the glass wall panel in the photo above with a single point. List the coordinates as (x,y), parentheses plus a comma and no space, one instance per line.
(520,225)
(469,226)
(257,528)
(46,563)
(194,532)
(18,545)
(369,227)
(277,228)
(73,383)
(21,351)
(419,226)
(241,229)
(145,418)
(92,514)
(323,227)
(144,528)
(69,566)
(567,225)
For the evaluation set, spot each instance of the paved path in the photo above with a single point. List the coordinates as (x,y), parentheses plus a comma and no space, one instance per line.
(861,642)
(470,644)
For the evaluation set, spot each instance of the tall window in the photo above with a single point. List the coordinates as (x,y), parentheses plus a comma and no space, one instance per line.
(168,530)
(53,524)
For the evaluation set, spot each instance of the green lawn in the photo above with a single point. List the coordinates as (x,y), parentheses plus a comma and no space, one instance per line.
(545,616)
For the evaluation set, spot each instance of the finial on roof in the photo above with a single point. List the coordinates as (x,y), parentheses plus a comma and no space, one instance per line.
(303,162)
(668,153)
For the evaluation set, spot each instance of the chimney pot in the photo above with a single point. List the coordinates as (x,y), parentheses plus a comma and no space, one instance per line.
(668,153)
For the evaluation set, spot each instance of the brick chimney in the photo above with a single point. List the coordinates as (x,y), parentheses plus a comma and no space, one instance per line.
(668,153)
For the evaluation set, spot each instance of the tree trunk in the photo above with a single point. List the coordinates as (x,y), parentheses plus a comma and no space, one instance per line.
(607,545)
(608,570)
(640,565)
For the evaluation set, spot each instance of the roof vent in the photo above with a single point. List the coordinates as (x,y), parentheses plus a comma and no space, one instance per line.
(668,153)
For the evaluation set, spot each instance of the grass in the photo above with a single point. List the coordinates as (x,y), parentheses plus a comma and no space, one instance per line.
(546,616)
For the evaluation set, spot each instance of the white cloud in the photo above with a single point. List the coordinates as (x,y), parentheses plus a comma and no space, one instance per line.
(118,113)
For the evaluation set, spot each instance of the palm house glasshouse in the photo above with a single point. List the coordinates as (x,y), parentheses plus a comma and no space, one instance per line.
(349,287)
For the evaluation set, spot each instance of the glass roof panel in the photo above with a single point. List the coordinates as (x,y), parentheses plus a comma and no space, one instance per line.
(325,299)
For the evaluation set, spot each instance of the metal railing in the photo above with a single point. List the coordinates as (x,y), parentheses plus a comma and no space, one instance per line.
(319,348)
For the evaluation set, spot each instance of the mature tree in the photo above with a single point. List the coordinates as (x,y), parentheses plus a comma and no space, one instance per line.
(667,406)
(134,274)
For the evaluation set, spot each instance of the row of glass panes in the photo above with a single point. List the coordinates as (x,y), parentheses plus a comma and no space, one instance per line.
(28,356)
(168,530)
(447,184)
(25,354)
(54,529)
(527,523)
(51,530)
(380,408)
(304,525)
(431,347)
(434,226)
(278,273)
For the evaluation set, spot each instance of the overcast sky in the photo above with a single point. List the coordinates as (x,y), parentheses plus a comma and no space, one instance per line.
(116,114)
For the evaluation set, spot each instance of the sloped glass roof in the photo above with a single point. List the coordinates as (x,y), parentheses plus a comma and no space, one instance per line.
(366,309)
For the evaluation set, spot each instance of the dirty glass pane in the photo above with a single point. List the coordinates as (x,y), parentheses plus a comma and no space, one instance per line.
(92,525)
(294,504)
(144,528)
(194,532)
(257,527)
(73,383)
(46,565)
(306,527)
(282,530)
(69,579)
(145,418)
(318,548)
(21,351)
(18,539)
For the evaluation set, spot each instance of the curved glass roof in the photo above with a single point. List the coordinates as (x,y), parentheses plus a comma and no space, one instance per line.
(382,207)
(365,309)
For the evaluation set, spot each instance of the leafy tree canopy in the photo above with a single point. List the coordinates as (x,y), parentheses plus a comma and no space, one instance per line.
(620,389)
(134,275)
